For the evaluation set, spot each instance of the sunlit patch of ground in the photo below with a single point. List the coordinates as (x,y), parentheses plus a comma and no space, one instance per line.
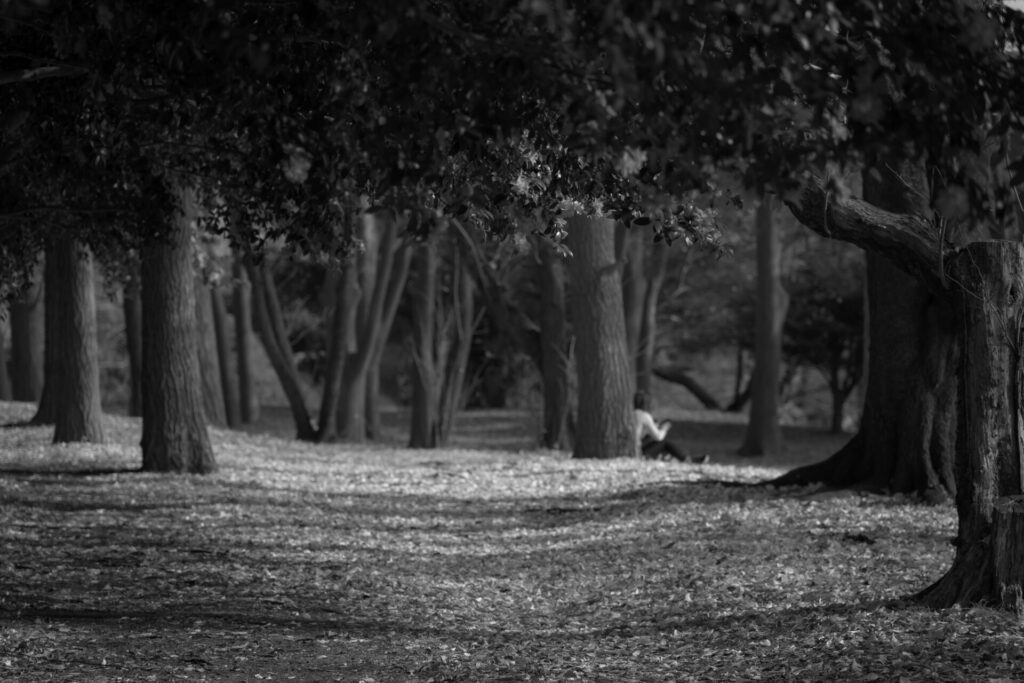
(332,562)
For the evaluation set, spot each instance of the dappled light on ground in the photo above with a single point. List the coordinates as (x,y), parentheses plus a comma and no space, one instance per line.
(331,562)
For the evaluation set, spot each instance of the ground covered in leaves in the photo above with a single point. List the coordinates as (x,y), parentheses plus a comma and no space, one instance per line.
(324,563)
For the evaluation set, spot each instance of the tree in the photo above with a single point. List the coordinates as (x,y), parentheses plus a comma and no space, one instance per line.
(763,432)
(174,435)
(249,405)
(27,341)
(605,376)
(131,304)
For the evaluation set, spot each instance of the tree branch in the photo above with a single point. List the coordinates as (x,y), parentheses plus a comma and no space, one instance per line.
(909,241)
(39,73)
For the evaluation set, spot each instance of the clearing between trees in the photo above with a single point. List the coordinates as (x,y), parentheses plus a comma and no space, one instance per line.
(309,562)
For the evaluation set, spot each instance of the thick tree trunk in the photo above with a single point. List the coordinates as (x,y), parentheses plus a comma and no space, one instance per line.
(554,348)
(764,435)
(990,441)
(174,434)
(206,343)
(249,404)
(27,341)
(908,427)
(131,304)
(228,385)
(74,383)
(606,377)
(277,347)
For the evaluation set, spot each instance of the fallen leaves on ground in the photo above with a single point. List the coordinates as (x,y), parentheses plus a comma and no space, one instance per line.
(334,562)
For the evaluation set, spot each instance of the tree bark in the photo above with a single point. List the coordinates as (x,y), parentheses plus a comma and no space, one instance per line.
(278,349)
(6,394)
(46,410)
(554,348)
(206,344)
(341,342)
(648,343)
(606,377)
(764,435)
(908,428)
(131,304)
(249,404)
(989,301)
(74,381)
(174,434)
(27,341)
(228,385)
(424,425)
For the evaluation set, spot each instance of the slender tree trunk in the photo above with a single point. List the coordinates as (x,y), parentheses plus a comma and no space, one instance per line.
(249,404)
(606,377)
(341,342)
(27,341)
(229,388)
(554,348)
(648,343)
(174,434)
(990,441)
(74,383)
(278,349)
(131,304)
(423,432)
(373,424)
(46,411)
(213,392)
(464,318)
(764,436)
(908,428)
(6,394)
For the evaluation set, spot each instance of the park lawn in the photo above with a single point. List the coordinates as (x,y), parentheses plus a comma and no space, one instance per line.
(331,562)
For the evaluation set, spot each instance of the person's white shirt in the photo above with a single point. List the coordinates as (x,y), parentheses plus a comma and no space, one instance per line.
(646,426)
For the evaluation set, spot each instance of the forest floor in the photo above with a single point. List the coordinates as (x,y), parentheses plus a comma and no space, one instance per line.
(339,563)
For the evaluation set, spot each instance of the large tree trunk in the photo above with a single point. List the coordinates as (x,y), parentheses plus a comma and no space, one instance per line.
(606,379)
(249,404)
(131,304)
(174,434)
(908,427)
(990,441)
(74,381)
(27,341)
(554,348)
(764,435)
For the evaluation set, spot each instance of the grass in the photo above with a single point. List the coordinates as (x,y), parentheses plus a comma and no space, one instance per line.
(335,563)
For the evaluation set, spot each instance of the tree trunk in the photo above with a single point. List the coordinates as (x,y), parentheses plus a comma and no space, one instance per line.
(174,434)
(681,377)
(554,348)
(74,381)
(606,378)
(631,253)
(206,344)
(648,343)
(229,388)
(341,343)
(424,427)
(5,379)
(248,401)
(131,304)
(989,279)
(46,411)
(27,341)
(278,349)
(764,436)
(908,428)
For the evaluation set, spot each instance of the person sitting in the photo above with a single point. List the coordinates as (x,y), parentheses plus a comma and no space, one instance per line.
(650,435)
